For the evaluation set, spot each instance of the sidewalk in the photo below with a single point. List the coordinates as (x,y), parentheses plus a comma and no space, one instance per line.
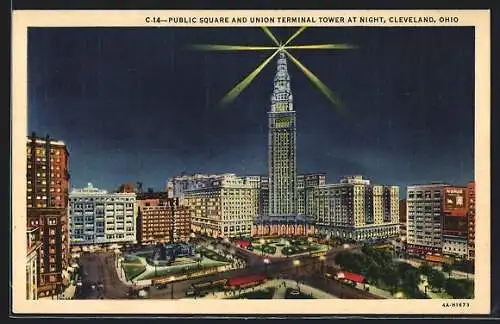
(316,293)
(121,273)
(279,292)
(68,293)
(376,291)
(456,274)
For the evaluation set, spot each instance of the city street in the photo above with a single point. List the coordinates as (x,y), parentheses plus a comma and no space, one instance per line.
(100,268)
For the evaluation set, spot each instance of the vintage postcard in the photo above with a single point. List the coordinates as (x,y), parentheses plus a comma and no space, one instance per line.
(206,162)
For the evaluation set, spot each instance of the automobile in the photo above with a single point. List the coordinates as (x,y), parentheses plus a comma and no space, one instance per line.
(79,283)
(190,292)
(295,292)
(161,286)
(92,286)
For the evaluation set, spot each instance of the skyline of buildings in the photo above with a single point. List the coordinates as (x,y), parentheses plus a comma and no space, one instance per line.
(438,216)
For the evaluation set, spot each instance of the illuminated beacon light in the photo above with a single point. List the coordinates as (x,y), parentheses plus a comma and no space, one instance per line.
(235,92)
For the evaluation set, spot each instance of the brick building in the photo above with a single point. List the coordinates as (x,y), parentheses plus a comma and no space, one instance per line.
(471,215)
(162,220)
(47,185)
(54,252)
(32,261)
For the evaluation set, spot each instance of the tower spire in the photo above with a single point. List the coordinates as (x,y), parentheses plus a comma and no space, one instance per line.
(282,99)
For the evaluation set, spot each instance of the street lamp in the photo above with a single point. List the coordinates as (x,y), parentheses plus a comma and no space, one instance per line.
(172,278)
(322,258)
(296,264)
(266,262)
(155,262)
(122,271)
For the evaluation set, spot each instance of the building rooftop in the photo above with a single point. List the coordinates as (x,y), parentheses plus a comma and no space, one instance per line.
(43,140)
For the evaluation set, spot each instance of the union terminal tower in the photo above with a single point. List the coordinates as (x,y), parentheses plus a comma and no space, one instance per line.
(282,146)
(282,218)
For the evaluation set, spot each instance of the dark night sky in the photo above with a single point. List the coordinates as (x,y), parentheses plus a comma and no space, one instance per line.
(133,104)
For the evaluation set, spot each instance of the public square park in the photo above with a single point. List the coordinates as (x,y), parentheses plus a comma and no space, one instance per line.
(282,247)
(144,263)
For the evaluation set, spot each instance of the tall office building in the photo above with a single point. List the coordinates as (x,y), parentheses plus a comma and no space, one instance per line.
(282,146)
(424,218)
(101,218)
(47,173)
(47,184)
(224,206)
(264,197)
(471,214)
(356,210)
(54,253)
(455,225)
(282,217)
(438,220)
(402,219)
(305,190)
(177,186)
(162,220)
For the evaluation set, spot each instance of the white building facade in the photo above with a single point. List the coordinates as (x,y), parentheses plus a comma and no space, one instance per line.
(424,219)
(224,206)
(99,217)
(356,210)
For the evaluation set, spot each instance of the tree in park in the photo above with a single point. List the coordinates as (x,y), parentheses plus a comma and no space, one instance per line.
(425,269)
(456,288)
(436,279)
(411,280)
(373,272)
(448,268)
(391,278)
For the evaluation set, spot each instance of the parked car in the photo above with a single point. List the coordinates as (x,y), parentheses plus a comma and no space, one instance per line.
(191,292)
(161,286)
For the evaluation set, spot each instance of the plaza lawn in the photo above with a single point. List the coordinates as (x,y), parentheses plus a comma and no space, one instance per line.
(143,254)
(207,253)
(296,249)
(300,295)
(132,270)
(266,293)
(266,248)
(133,261)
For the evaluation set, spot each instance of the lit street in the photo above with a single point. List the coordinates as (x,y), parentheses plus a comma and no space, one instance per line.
(100,268)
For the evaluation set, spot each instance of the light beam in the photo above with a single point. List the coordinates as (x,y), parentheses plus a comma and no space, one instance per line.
(231,95)
(271,35)
(284,47)
(216,47)
(321,46)
(297,33)
(314,79)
